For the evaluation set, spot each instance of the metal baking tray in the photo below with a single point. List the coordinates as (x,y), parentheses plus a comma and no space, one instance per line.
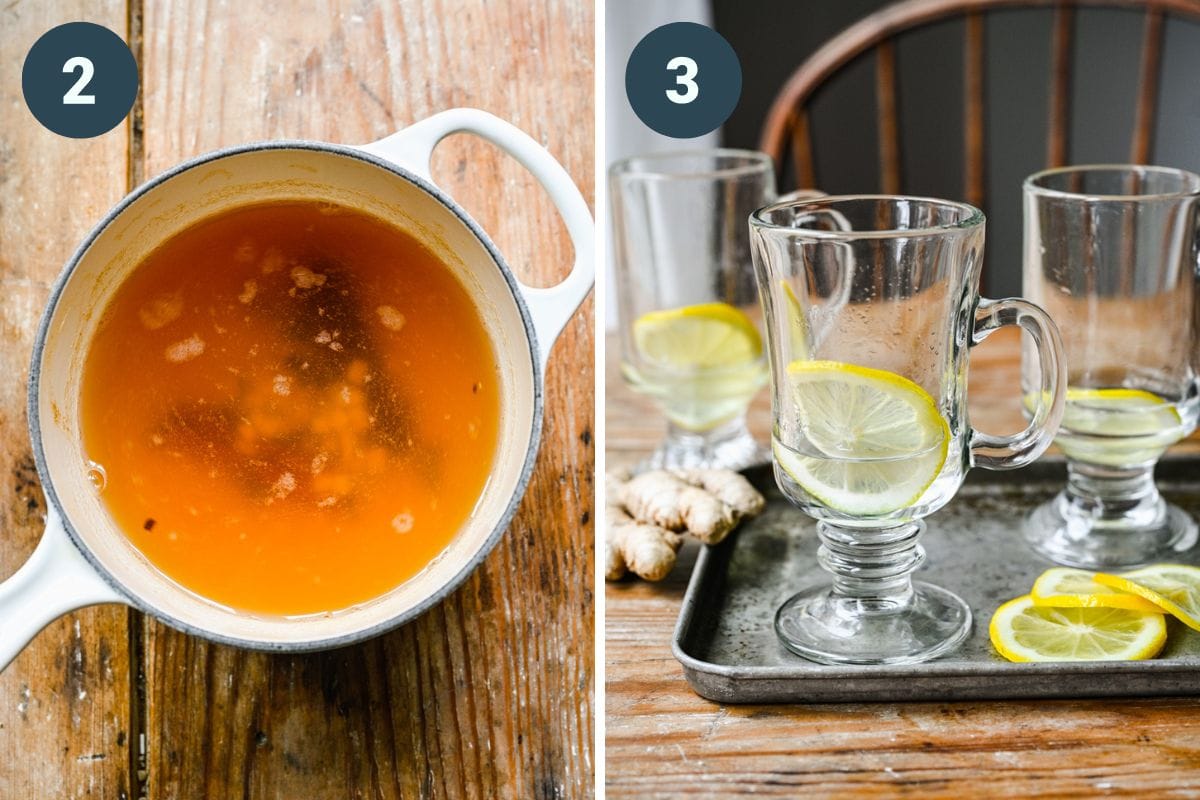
(725,637)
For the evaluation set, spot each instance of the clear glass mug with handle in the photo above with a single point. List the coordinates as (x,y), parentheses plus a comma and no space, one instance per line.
(871,306)
(1111,252)
(686,299)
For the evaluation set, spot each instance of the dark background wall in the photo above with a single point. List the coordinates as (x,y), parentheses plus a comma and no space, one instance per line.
(773,38)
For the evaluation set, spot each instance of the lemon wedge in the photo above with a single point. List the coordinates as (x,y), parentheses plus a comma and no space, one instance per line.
(1064,587)
(704,336)
(873,440)
(1022,631)
(1175,588)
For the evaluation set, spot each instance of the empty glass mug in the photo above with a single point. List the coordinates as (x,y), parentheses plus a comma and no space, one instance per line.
(1111,254)
(871,306)
(686,299)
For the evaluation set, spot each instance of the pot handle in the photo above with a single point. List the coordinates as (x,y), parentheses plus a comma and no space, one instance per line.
(551,307)
(55,580)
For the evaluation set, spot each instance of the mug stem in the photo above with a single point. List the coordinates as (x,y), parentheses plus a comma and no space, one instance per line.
(1106,492)
(873,566)
(1109,517)
(873,613)
(730,445)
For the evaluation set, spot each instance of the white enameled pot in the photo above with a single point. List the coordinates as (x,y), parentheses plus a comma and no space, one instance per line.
(83,559)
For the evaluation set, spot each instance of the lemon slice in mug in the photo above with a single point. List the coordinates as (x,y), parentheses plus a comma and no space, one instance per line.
(1118,412)
(879,438)
(1066,587)
(704,336)
(1115,427)
(1022,631)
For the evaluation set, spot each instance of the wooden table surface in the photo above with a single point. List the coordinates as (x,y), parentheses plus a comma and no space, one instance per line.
(663,741)
(489,694)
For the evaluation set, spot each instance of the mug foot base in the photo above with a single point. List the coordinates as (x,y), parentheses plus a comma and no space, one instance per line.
(831,628)
(1076,540)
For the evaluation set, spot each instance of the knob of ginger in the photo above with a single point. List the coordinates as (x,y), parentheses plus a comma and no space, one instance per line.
(648,515)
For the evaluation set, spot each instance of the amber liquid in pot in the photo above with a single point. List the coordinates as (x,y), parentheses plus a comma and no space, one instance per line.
(290,408)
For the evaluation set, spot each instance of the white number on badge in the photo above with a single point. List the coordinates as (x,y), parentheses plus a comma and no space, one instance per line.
(86,70)
(684,79)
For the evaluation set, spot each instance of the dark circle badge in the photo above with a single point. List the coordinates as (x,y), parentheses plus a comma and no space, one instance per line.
(79,80)
(683,80)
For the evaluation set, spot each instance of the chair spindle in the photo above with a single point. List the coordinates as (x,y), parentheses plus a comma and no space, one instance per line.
(889,128)
(1142,141)
(1060,86)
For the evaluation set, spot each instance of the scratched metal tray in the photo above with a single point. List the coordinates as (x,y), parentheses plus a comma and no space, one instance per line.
(726,641)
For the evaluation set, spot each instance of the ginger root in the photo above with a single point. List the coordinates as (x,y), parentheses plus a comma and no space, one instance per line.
(637,547)
(648,515)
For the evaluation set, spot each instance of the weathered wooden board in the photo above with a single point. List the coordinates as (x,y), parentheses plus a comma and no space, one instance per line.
(64,703)
(489,694)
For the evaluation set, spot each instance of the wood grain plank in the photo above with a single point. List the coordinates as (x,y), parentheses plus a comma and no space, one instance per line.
(664,741)
(64,702)
(490,693)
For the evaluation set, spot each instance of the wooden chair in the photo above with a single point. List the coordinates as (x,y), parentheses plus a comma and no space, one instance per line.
(787,134)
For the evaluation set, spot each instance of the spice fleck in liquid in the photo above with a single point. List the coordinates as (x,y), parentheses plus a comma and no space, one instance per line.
(294,407)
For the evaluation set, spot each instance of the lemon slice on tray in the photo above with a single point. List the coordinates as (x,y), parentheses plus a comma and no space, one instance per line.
(1175,588)
(1022,631)
(704,336)
(1064,587)
(874,440)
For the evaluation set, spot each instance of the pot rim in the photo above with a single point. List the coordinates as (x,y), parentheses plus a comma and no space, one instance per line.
(502,523)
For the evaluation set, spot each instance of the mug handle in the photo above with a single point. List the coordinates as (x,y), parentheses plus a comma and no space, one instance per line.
(1020,449)
(55,580)
(551,307)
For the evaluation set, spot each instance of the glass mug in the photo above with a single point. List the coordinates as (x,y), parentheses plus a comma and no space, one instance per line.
(1111,254)
(871,305)
(686,298)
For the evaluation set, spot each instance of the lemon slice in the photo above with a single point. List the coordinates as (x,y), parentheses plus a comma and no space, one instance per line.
(1063,587)
(1118,412)
(874,439)
(1174,588)
(704,363)
(1022,631)
(705,336)
(1115,427)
